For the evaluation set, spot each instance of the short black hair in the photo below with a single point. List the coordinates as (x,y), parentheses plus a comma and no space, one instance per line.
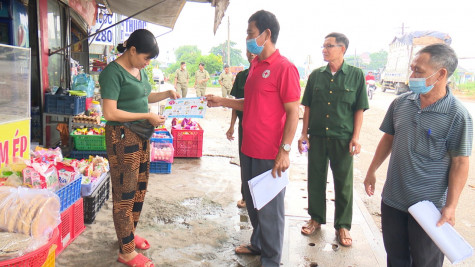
(182,63)
(202,64)
(340,39)
(441,56)
(226,66)
(266,20)
(144,42)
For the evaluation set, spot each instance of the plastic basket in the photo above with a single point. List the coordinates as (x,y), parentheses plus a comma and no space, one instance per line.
(50,260)
(35,258)
(67,105)
(160,167)
(188,143)
(69,194)
(94,202)
(162,140)
(71,226)
(89,142)
(77,154)
(87,189)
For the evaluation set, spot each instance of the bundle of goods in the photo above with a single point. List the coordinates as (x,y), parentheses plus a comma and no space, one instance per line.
(28,217)
(89,131)
(93,171)
(184,124)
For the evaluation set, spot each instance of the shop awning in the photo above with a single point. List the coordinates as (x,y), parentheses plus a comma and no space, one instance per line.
(165,13)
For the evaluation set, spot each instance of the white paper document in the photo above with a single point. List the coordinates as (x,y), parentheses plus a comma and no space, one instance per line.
(454,247)
(264,187)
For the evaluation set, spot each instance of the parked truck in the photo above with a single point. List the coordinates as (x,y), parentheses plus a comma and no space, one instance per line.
(402,50)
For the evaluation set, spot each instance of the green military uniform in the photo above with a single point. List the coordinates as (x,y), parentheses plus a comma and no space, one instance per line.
(130,93)
(182,77)
(226,80)
(333,101)
(201,87)
(238,92)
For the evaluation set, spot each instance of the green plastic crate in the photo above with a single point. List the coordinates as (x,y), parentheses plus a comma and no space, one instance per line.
(89,142)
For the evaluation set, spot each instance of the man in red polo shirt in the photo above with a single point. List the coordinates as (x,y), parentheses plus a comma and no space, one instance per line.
(270,105)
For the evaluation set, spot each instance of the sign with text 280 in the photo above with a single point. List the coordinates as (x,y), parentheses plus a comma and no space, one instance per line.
(105,37)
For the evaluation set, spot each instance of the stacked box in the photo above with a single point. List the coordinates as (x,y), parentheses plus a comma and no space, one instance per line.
(71,226)
(89,142)
(188,143)
(94,202)
(77,154)
(65,105)
(161,152)
(69,194)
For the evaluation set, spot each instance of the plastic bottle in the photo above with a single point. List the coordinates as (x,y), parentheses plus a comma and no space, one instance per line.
(97,107)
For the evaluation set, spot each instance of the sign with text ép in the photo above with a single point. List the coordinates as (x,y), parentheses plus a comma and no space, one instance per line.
(105,37)
(14,141)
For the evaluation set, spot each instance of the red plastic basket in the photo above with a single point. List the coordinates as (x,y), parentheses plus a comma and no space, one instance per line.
(71,226)
(188,143)
(33,259)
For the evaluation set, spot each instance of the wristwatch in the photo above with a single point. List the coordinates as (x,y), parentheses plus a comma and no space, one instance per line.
(286,147)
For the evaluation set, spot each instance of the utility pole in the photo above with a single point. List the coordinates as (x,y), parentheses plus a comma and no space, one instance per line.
(229,49)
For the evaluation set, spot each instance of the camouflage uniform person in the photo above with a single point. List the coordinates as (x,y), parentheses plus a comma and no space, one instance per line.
(226,81)
(201,78)
(181,80)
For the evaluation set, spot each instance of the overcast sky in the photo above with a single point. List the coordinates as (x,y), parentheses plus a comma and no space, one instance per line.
(370,25)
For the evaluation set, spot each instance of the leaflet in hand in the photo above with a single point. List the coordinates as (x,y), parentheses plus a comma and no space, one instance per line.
(454,247)
(193,107)
(264,187)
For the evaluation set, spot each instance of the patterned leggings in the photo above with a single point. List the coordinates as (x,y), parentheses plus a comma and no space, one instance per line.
(129,159)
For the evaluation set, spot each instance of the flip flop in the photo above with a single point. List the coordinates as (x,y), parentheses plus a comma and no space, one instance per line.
(250,250)
(140,241)
(138,261)
(341,235)
(311,227)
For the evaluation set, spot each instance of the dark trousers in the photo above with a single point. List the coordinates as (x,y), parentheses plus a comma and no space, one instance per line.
(406,243)
(268,222)
(240,154)
(336,151)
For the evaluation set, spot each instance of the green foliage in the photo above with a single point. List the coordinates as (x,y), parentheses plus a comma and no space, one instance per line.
(213,63)
(149,71)
(236,54)
(192,56)
(378,61)
(187,53)
(468,88)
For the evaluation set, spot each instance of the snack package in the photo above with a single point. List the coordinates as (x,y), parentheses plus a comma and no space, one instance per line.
(41,176)
(30,213)
(66,173)
(48,155)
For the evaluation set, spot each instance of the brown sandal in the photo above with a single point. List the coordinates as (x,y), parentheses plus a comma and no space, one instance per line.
(310,228)
(343,237)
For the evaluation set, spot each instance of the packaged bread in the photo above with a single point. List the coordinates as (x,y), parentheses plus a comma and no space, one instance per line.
(33,212)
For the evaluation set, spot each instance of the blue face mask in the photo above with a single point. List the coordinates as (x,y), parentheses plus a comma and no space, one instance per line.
(253,47)
(418,85)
